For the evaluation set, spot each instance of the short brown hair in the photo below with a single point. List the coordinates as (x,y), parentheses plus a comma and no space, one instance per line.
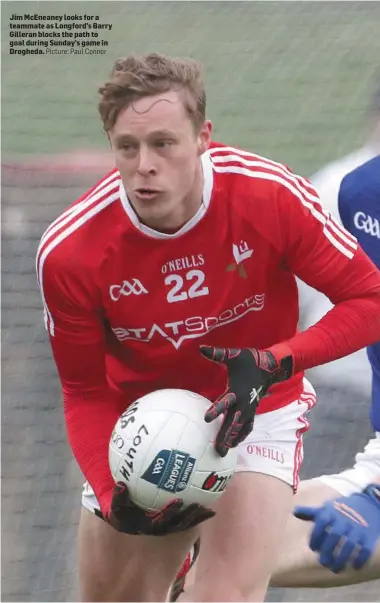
(136,77)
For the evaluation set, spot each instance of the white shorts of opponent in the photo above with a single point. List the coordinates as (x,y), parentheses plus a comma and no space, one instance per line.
(274,447)
(366,470)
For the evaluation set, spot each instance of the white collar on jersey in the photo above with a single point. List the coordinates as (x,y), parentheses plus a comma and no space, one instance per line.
(208,175)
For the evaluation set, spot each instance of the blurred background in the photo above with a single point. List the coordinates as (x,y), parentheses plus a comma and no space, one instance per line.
(288,80)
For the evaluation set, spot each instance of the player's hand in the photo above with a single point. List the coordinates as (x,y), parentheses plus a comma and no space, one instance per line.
(345,530)
(127,517)
(250,374)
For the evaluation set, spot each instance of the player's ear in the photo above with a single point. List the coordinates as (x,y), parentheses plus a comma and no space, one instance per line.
(204,136)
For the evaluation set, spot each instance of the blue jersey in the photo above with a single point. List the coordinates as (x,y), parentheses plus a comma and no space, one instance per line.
(359,208)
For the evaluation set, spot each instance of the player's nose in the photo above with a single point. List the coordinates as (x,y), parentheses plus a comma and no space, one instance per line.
(146,165)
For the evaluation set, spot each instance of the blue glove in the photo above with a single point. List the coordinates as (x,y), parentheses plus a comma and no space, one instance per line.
(345,530)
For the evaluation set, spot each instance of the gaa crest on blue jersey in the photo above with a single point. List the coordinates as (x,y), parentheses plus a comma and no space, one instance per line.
(170,470)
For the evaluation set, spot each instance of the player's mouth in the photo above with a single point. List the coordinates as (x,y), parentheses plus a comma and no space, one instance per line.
(146,193)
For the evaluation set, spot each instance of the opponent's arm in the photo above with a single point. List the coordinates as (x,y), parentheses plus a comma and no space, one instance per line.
(346,530)
(74,321)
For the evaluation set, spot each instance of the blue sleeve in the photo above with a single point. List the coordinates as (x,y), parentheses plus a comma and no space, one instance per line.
(359,209)
(359,206)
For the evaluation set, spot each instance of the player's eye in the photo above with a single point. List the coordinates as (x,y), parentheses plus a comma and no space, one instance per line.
(128,147)
(162,144)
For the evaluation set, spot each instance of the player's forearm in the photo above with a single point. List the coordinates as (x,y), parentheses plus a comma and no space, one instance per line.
(90,409)
(348,327)
(352,324)
(89,426)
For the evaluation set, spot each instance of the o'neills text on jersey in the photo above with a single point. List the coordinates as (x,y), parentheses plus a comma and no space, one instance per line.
(189,261)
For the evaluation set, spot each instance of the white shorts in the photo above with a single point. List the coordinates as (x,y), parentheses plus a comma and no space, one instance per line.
(366,470)
(274,447)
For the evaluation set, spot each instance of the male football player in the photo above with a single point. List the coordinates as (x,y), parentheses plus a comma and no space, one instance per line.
(184,249)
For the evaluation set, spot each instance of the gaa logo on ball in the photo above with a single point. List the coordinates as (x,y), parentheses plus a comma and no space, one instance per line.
(171,470)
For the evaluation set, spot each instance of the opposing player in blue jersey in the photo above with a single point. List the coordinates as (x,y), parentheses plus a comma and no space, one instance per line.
(345,533)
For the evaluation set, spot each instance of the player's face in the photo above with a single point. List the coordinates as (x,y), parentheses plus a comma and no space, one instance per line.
(157,152)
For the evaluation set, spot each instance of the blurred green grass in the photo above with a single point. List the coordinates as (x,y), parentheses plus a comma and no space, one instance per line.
(290,80)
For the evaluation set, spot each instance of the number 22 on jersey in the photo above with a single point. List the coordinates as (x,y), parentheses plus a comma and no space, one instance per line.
(187,287)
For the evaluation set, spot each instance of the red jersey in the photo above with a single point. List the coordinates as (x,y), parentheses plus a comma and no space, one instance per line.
(127,307)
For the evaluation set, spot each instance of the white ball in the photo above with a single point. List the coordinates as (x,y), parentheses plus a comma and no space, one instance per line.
(162,448)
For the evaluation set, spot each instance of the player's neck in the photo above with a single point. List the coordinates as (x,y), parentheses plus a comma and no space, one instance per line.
(184,211)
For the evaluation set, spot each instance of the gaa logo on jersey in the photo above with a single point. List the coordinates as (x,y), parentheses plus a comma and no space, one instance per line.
(170,470)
